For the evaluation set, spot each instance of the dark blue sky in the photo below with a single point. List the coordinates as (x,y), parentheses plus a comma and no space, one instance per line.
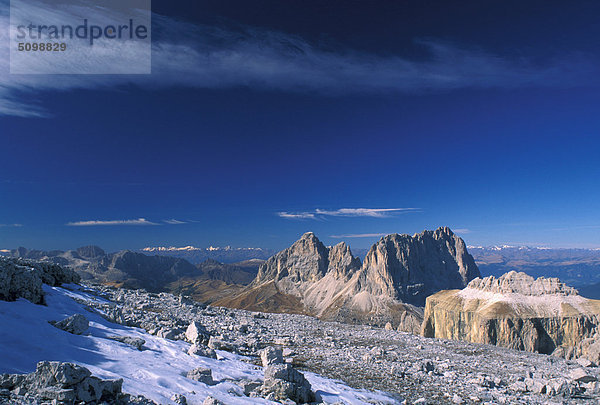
(481,116)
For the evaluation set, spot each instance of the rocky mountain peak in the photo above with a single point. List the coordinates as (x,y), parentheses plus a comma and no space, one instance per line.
(522,283)
(342,264)
(398,273)
(411,267)
(443,231)
(90,252)
(306,260)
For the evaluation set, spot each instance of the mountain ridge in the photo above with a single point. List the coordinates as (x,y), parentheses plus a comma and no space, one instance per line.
(332,284)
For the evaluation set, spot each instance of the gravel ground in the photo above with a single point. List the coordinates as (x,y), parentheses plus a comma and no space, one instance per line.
(409,367)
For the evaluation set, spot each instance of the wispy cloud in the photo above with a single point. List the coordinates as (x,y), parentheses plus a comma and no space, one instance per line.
(359,235)
(139,221)
(201,56)
(174,222)
(365,212)
(298,215)
(462,230)
(11,225)
(347,212)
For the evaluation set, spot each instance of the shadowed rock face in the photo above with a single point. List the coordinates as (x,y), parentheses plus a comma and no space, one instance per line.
(20,278)
(90,252)
(514,311)
(140,271)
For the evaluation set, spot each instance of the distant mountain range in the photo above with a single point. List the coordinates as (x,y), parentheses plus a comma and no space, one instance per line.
(197,255)
(579,268)
(154,273)
(213,273)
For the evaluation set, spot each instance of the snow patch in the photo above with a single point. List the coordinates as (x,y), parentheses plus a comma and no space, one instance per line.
(157,372)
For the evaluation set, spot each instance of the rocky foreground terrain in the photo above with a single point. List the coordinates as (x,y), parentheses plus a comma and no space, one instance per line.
(408,367)
(175,350)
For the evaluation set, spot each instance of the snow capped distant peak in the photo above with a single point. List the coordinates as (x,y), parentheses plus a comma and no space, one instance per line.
(170,249)
(195,249)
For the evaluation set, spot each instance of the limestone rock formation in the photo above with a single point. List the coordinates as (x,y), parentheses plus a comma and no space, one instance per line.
(411,268)
(20,278)
(330,283)
(75,324)
(58,382)
(196,333)
(306,260)
(136,343)
(201,374)
(514,311)
(283,382)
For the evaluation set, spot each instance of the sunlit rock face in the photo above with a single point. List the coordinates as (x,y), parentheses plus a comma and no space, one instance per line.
(514,311)
(306,260)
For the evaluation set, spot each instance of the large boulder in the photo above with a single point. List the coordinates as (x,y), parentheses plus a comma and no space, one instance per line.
(202,374)
(270,355)
(64,383)
(196,333)
(20,278)
(75,324)
(283,382)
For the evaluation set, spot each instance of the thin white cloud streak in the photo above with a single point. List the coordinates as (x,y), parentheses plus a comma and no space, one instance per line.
(200,56)
(300,215)
(139,221)
(174,222)
(11,225)
(360,235)
(365,212)
(347,212)
(462,230)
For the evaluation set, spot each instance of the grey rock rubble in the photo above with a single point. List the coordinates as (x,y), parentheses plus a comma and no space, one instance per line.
(407,366)
(212,401)
(271,355)
(63,383)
